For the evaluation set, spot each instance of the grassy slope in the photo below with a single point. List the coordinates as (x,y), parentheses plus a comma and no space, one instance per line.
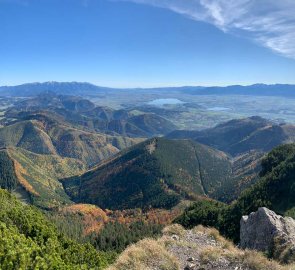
(39,174)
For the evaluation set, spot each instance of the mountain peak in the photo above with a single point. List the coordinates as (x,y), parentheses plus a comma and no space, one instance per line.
(155,173)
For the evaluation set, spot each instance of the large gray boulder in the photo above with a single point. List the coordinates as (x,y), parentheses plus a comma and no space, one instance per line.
(259,230)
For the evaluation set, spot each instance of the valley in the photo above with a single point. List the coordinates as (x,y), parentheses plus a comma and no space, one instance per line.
(193,109)
(147,135)
(108,175)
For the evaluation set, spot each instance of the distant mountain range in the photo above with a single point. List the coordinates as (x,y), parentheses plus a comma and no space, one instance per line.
(77,88)
(63,88)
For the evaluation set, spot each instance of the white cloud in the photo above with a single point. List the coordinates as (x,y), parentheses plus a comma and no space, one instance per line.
(270,23)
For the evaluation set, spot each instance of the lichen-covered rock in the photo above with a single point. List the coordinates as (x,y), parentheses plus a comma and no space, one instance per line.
(260,229)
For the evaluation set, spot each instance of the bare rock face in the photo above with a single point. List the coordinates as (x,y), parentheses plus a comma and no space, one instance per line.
(259,230)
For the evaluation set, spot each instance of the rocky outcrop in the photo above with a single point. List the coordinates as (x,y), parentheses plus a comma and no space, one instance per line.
(197,249)
(262,229)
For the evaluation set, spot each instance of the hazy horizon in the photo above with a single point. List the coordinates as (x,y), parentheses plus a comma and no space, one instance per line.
(139,87)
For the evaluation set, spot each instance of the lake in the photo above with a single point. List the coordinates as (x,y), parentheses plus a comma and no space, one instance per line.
(218,109)
(165,101)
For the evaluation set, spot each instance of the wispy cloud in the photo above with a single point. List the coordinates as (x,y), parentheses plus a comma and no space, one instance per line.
(270,23)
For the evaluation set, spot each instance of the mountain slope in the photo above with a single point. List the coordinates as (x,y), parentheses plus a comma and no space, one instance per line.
(42,133)
(275,190)
(44,149)
(8,179)
(37,177)
(247,141)
(155,173)
(242,135)
(83,114)
(145,125)
(28,240)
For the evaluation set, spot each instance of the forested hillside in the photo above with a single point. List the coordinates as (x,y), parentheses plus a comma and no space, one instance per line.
(44,133)
(84,114)
(44,149)
(155,173)
(239,136)
(275,190)
(29,241)
(143,134)
(246,141)
(8,179)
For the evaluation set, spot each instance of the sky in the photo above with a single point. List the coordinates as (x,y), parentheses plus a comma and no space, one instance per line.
(147,43)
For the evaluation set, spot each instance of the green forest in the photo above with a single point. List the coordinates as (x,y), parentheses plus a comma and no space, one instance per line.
(116,236)
(28,240)
(8,178)
(151,175)
(277,181)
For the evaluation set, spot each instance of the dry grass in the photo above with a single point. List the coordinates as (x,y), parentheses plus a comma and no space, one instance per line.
(226,244)
(283,250)
(174,229)
(248,259)
(210,254)
(151,254)
(147,254)
(226,249)
(19,172)
(257,261)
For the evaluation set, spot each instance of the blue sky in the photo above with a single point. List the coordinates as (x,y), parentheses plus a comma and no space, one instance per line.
(146,43)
